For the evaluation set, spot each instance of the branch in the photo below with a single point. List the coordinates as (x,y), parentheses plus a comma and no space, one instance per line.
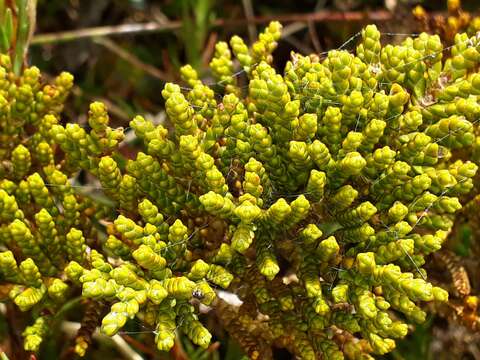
(70,329)
(132,59)
(323,15)
(98,31)
(248,8)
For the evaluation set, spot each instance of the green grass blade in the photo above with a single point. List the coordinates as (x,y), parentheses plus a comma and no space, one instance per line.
(22,35)
(2,11)
(8,28)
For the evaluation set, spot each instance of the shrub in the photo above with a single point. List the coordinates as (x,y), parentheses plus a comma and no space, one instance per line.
(314,196)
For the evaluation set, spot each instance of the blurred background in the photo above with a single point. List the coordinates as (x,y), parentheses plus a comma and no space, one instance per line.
(122,52)
(147,41)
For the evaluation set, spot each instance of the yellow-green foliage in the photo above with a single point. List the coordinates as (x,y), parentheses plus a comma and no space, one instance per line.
(314,196)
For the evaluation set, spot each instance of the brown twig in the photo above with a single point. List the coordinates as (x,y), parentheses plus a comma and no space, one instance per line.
(98,31)
(166,62)
(252,30)
(209,48)
(292,28)
(214,347)
(323,15)
(177,352)
(140,346)
(132,59)
(32,20)
(314,37)
(299,45)
(14,321)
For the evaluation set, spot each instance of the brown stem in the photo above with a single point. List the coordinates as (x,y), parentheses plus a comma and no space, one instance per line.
(248,9)
(132,59)
(140,346)
(64,36)
(314,37)
(16,342)
(209,48)
(323,15)
(177,351)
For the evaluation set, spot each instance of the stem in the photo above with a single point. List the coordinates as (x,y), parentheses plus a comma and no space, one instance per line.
(65,36)
(70,328)
(139,345)
(14,320)
(132,59)
(248,9)
(324,15)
